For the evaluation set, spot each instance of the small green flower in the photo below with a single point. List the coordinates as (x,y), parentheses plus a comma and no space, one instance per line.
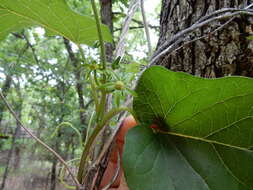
(119,85)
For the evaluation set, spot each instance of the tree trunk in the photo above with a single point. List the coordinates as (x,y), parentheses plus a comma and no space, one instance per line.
(53,175)
(5,90)
(79,84)
(61,88)
(13,146)
(226,52)
(17,154)
(106,17)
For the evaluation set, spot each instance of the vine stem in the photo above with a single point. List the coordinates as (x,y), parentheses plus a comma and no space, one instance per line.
(100,36)
(62,175)
(101,108)
(67,124)
(93,136)
(94,93)
(40,141)
(100,105)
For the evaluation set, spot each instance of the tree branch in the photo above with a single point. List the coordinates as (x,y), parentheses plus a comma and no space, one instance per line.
(140,23)
(119,51)
(137,27)
(24,37)
(146,28)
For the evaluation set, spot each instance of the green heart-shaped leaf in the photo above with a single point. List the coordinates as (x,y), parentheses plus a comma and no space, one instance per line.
(54,15)
(207,133)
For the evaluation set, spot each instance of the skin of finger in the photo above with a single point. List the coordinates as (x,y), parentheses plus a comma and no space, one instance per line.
(119,183)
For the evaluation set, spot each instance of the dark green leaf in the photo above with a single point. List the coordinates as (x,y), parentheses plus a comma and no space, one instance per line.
(207,129)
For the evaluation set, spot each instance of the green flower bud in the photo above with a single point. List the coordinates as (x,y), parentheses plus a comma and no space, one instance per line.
(119,85)
(94,67)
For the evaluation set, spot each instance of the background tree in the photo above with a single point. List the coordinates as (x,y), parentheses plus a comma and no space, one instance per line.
(221,53)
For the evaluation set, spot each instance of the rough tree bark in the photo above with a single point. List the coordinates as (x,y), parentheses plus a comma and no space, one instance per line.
(226,52)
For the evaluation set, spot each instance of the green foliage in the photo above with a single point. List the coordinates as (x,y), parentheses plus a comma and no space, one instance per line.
(204,140)
(55,16)
(132,67)
(250,37)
